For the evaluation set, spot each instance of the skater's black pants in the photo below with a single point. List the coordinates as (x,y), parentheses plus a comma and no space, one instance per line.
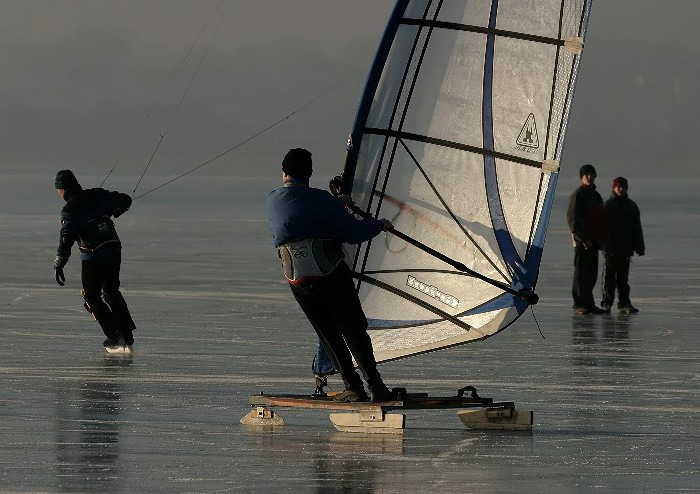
(616,272)
(334,310)
(585,275)
(103,299)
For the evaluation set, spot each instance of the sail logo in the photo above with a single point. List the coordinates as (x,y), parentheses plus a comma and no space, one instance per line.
(528,140)
(432,291)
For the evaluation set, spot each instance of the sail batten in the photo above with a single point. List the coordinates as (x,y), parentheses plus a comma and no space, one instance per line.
(457,140)
(487,30)
(451,144)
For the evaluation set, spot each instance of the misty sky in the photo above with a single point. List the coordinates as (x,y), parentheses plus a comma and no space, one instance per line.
(79,77)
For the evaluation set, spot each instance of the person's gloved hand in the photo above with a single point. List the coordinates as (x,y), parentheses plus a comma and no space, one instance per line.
(58,264)
(336,185)
(387,224)
(346,200)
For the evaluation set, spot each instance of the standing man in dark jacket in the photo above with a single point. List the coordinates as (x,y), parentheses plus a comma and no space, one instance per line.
(86,219)
(586,224)
(624,237)
(308,226)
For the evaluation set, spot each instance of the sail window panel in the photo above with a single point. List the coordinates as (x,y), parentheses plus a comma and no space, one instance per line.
(393,90)
(518,188)
(472,12)
(448,92)
(373,157)
(421,9)
(522,85)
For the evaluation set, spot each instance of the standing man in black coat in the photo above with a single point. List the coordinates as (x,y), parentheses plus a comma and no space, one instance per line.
(86,218)
(624,237)
(585,217)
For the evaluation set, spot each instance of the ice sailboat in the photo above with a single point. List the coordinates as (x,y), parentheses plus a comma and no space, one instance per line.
(457,140)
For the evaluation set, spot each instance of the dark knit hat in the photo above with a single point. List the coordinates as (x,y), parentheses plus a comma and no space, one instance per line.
(587,169)
(66,180)
(297,163)
(620,182)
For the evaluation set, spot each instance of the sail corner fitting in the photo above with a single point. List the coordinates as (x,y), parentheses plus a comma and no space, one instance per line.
(550,166)
(574,45)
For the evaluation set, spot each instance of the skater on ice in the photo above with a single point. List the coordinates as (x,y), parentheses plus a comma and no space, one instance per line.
(87,219)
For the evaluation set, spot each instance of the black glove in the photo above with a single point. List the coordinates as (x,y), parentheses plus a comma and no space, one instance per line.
(58,264)
(124,206)
(336,185)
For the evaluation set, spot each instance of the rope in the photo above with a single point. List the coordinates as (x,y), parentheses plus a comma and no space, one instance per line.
(259,133)
(139,128)
(184,94)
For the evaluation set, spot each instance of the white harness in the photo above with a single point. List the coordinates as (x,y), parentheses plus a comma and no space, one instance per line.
(309,258)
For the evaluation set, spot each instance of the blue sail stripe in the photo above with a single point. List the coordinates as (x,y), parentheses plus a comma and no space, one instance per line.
(505,242)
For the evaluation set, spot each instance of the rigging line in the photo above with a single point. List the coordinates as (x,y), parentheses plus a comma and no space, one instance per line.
(187,89)
(260,132)
(537,322)
(149,162)
(155,104)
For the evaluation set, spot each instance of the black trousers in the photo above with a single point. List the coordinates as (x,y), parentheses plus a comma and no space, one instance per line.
(585,275)
(103,299)
(334,310)
(616,272)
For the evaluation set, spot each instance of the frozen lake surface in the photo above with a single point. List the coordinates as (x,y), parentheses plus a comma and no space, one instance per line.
(615,398)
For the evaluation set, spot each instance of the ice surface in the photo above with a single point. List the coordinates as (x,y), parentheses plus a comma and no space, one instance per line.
(615,398)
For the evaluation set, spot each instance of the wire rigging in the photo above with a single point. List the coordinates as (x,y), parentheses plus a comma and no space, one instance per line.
(184,94)
(331,88)
(139,128)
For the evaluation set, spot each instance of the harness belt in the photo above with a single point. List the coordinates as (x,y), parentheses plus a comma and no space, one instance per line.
(98,232)
(309,258)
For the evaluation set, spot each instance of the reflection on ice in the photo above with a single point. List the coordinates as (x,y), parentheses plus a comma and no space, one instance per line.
(87,433)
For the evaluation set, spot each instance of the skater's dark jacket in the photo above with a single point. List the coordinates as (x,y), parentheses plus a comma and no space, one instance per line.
(623,227)
(297,212)
(86,219)
(585,216)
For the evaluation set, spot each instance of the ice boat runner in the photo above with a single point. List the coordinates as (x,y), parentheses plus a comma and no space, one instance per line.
(457,141)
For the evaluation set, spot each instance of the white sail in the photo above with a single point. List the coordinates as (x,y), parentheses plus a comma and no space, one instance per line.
(457,140)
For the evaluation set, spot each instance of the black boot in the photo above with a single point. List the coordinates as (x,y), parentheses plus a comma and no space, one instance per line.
(351,396)
(379,392)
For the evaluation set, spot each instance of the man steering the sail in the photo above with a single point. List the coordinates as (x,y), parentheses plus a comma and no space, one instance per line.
(86,218)
(308,226)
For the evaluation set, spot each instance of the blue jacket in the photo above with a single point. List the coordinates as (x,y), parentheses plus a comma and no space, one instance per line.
(297,211)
